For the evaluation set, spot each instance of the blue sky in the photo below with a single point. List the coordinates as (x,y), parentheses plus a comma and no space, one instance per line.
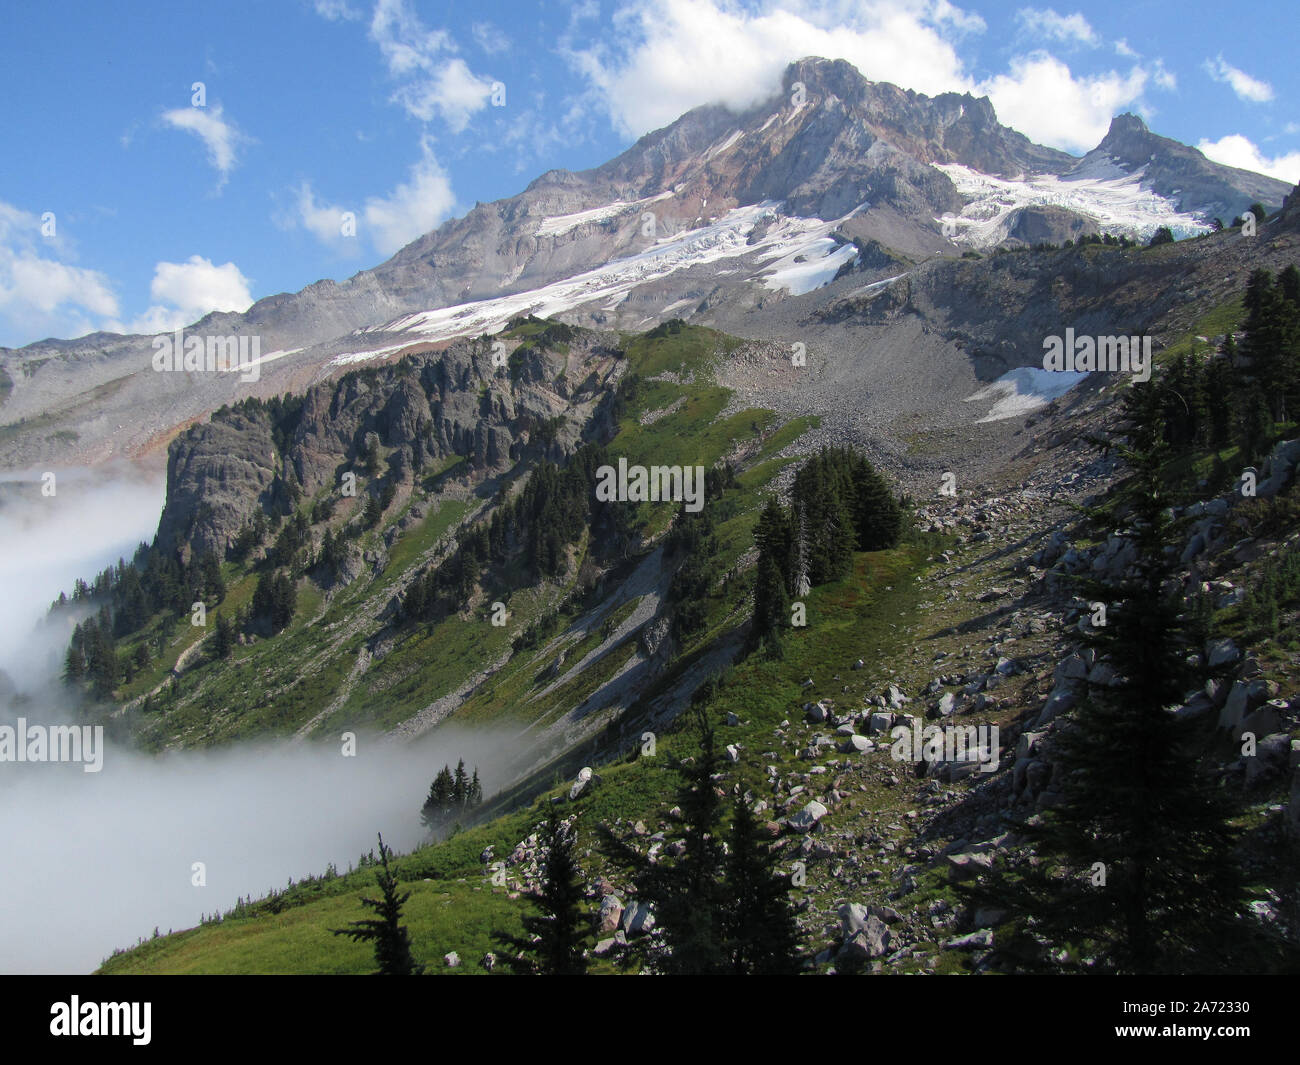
(124,206)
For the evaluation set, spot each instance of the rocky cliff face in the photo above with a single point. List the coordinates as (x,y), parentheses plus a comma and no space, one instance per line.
(1181,173)
(428,409)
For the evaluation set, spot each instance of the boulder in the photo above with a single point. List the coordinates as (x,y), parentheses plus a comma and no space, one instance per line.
(1243,698)
(807,818)
(1270,759)
(853,918)
(1060,701)
(611,914)
(966,865)
(880,722)
(1264,720)
(981,940)
(1220,653)
(638,919)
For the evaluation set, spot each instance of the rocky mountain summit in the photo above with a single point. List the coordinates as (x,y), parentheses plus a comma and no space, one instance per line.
(711,217)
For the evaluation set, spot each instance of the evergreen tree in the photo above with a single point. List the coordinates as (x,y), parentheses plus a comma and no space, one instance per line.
(223,638)
(438,806)
(1134,869)
(555,936)
(390,937)
(460,786)
(74,662)
(1219,385)
(878,516)
(762,937)
(771,609)
(774,537)
(688,897)
(1269,343)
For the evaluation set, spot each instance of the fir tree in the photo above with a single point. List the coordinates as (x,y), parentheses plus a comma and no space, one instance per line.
(460,786)
(390,937)
(556,934)
(771,609)
(438,806)
(1134,868)
(688,897)
(762,937)
(223,638)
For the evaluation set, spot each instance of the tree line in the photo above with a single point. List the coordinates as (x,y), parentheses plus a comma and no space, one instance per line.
(450,795)
(554,508)
(721,908)
(1135,867)
(839,504)
(1234,396)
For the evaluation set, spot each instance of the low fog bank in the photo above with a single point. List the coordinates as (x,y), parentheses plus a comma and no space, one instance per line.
(94,861)
(94,517)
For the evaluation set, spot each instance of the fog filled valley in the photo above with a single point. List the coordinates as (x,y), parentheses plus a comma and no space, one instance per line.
(95,861)
(719,487)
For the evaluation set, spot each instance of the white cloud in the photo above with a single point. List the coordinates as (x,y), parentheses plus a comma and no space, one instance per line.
(1042,99)
(323,220)
(336,10)
(1068,29)
(1163,77)
(404,42)
(489,38)
(390,222)
(184,292)
(1246,87)
(434,81)
(1122,48)
(453,92)
(942,12)
(1236,150)
(220,137)
(412,209)
(42,296)
(667,56)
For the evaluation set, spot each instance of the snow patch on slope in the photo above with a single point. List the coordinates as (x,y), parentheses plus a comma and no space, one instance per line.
(786,237)
(558,225)
(1024,389)
(1099,189)
(821,261)
(723,145)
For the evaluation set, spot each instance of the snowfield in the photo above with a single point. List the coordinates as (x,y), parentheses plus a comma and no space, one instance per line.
(1101,190)
(822,259)
(1024,389)
(787,237)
